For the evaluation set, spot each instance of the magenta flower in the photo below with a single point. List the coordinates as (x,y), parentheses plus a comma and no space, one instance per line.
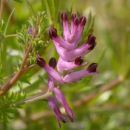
(70,57)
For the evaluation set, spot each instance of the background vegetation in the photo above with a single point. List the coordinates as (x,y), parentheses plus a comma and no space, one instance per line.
(101,102)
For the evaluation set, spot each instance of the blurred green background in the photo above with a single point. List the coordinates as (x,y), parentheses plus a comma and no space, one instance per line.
(101,102)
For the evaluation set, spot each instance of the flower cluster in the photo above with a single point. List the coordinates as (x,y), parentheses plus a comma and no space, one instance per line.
(70,57)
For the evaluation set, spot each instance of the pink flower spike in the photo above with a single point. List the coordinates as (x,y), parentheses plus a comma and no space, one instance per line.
(61,99)
(66,31)
(76,76)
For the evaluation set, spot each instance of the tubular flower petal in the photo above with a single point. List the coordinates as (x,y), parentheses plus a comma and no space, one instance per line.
(77,28)
(51,71)
(76,76)
(74,29)
(64,19)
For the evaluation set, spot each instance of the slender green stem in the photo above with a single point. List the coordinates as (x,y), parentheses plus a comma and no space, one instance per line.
(53,8)
(8,21)
(10,35)
(1,8)
(48,11)
(31,7)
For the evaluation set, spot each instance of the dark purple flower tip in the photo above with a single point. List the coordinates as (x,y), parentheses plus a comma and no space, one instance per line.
(92,67)
(73,16)
(71,118)
(78,61)
(64,16)
(40,61)
(64,120)
(76,20)
(52,62)
(83,20)
(52,32)
(91,41)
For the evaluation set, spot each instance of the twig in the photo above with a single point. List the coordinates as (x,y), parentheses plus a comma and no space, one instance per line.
(8,10)
(4,89)
(1,8)
(103,88)
(110,107)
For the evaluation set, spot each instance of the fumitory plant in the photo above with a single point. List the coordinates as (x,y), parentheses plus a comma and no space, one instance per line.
(50,59)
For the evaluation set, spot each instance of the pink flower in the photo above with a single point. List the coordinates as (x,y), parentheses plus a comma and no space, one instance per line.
(70,57)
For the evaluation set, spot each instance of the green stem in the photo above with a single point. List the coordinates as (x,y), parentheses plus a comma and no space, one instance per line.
(8,22)
(10,35)
(48,11)
(31,8)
